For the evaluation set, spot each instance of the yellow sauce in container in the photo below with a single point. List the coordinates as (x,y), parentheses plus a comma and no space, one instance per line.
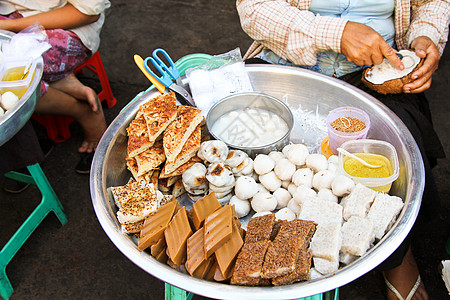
(357,169)
(15,74)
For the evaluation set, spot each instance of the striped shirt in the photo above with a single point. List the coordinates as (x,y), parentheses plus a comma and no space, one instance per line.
(290,30)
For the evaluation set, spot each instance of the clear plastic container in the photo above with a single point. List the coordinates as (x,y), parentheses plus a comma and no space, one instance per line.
(11,73)
(336,137)
(368,146)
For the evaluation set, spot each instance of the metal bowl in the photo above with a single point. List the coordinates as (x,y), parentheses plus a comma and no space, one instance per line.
(252,100)
(314,95)
(15,118)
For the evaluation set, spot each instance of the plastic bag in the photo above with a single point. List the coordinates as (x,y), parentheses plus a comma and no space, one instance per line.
(29,43)
(221,76)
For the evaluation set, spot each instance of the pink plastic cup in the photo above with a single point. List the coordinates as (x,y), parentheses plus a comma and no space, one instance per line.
(336,137)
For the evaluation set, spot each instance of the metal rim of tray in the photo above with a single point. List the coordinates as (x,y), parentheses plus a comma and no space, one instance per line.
(15,118)
(370,260)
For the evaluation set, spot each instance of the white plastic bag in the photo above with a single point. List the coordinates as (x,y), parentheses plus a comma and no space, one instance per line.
(221,76)
(31,42)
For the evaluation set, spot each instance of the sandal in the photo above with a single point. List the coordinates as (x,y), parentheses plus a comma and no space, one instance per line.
(84,165)
(396,292)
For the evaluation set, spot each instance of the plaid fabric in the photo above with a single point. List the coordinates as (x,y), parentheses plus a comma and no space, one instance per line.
(294,33)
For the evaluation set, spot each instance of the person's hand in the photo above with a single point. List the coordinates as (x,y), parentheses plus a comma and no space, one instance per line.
(424,48)
(364,46)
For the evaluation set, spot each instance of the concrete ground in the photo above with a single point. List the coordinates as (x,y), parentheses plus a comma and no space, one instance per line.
(78,261)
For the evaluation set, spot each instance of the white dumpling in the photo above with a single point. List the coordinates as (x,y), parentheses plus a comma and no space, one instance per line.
(263,202)
(285,183)
(213,151)
(235,158)
(316,162)
(219,174)
(263,164)
(242,207)
(283,197)
(262,189)
(270,181)
(303,176)
(194,176)
(293,206)
(327,195)
(286,149)
(285,214)
(297,154)
(333,159)
(302,193)
(323,179)
(284,169)
(245,188)
(292,188)
(221,189)
(9,100)
(276,155)
(224,200)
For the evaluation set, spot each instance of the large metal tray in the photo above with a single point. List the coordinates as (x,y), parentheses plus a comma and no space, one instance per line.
(15,118)
(314,95)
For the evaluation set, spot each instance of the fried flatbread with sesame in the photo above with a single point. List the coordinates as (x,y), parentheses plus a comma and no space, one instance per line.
(177,133)
(150,159)
(138,140)
(189,150)
(158,113)
(132,166)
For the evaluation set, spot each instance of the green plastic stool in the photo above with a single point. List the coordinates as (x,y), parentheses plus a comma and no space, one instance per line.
(174,293)
(49,203)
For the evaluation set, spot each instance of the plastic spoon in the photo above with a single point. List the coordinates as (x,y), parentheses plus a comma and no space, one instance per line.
(362,161)
(27,68)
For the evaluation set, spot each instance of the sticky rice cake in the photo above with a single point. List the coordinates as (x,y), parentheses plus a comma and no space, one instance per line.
(357,235)
(158,113)
(327,241)
(358,202)
(383,211)
(259,228)
(189,150)
(249,262)
(179,130)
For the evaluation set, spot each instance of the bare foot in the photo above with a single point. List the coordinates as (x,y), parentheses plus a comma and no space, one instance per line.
(403,279)
(94,125)
(72,86)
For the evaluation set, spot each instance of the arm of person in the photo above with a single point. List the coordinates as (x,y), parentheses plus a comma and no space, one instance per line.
(427,35)
(66,17)
(289,30)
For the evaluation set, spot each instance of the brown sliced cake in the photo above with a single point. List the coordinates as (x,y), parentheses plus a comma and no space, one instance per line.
(301,271)
(177,133)
(249,262)
(259,228)
(158,113)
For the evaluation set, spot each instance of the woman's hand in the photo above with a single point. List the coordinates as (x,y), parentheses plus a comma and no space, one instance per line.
(424,48)
(364,46)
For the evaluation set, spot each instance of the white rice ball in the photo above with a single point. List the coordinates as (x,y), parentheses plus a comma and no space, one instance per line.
(284,169)
(8,100)
(285,214)
(283,197)
(245,187)
(263,202)
(263,164)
